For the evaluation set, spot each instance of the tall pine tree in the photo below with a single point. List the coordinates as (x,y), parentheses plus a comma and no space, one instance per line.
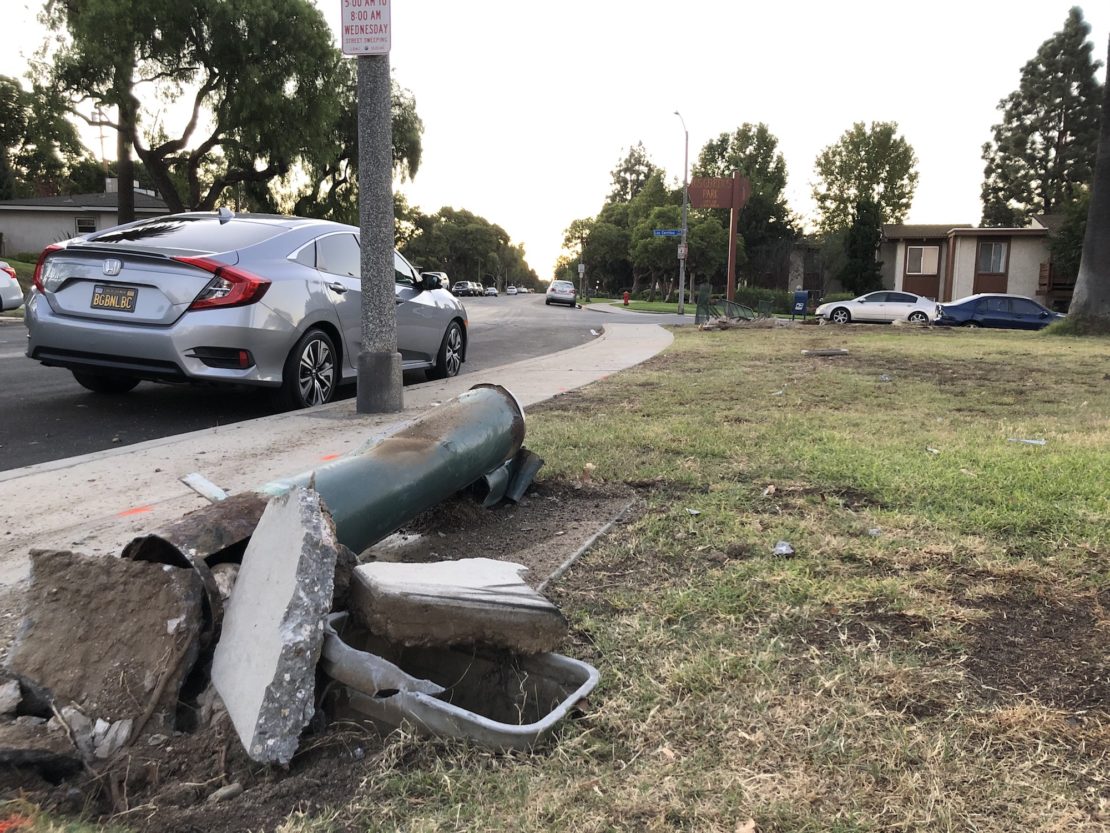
(1044,148)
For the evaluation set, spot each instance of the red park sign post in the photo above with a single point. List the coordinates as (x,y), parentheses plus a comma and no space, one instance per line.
(724,192)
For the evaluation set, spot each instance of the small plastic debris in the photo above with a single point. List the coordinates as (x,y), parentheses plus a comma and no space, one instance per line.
(826,353)
(594,333)
(886,378)
(1027,442)
(874,532)
(778,393)
(932,450)
(694,512)
(770,490)
(783,548)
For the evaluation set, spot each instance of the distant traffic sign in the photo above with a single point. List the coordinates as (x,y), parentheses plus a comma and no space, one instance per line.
(667,232)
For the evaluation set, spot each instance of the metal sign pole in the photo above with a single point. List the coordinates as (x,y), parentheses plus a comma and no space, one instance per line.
(379,363)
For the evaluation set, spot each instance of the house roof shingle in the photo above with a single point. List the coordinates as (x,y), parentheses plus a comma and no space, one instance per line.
(898,231)
(86,202)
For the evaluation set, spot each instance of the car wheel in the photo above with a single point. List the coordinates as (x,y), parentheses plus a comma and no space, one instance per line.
(972,325)
(105,384)
(918,317)
(311,372)
(449,359)
(840,316)
(547,301)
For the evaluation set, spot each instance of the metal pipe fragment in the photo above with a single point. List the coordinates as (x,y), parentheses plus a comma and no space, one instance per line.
(373,493)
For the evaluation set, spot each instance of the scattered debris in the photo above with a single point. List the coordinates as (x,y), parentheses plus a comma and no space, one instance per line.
(694,512)
(831,353)
(226,793)
(885,378)
(473,601)
(783,549)
(874,532)
(204,487)
(1027,442)
(264,665)
(932,450)
(770,490)
(10,697)
(778,392)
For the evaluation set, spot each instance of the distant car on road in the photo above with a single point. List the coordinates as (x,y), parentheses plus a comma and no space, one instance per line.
(212,297)
(491,291)
(510,290)
(880,307)
(1014,312)
(467,289)
(11,296)
(561,292)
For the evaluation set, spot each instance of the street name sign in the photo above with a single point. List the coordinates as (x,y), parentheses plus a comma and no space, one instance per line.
(365,27)
(666,232)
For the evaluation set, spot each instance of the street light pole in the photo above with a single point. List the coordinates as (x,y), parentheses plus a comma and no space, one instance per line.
(685,201)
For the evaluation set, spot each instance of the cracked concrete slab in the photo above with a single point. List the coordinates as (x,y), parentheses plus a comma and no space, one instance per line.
(466,602)
(264,665)
(114,637)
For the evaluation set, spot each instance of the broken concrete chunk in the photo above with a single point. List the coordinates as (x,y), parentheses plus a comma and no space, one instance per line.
(10,697)
(362,670)
(466,602)
(25,744)
(94,634)
(265,662)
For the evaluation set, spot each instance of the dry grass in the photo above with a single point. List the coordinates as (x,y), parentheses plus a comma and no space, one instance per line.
(934,657)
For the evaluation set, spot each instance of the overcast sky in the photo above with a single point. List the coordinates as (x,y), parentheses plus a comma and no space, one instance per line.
(528,105)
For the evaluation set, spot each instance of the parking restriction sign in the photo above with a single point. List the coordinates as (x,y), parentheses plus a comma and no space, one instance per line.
(365,27)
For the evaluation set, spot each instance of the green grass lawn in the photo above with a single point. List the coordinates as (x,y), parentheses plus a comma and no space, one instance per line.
(933,657)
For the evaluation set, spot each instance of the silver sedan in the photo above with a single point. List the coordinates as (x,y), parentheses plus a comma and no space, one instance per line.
(880,307)
(11,296)
(257,300)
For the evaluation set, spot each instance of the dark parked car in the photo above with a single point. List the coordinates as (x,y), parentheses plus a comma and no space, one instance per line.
(259,300)
(1014,312)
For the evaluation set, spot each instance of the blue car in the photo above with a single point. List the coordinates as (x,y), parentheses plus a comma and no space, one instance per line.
(1014,312)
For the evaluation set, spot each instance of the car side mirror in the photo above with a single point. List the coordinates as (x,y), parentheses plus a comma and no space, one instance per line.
(428,281)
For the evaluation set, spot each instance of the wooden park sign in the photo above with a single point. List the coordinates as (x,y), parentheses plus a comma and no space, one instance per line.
(723,192)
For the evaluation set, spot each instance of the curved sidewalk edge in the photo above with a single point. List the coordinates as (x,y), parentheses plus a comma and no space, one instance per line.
(98,502)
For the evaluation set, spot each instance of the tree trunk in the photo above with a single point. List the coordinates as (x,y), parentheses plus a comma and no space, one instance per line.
(1091,299)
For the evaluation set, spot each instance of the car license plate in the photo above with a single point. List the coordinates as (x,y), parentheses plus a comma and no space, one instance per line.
(118,298)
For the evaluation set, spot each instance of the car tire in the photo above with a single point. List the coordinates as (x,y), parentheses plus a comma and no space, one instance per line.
(840,316)
(972,325)
(111,385)
(919,317)
(547,302)
(311,372)
(450,356)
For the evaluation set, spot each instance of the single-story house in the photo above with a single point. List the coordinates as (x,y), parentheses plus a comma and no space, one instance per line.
(948,262)
(32,224)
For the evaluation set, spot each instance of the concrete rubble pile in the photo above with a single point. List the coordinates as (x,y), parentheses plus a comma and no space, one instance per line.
(243,599)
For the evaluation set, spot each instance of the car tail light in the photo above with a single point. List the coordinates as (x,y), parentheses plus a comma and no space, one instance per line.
(9,270)
(49,250)
(229,287)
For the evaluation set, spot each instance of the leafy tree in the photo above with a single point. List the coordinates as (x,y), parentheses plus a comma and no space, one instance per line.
(631,174)
(866,163)
(38,144)
(1043,150)
(1090,302)
(765,223)
(654,257)
(861,272)
(467,247)
(248,66)
(1066,242)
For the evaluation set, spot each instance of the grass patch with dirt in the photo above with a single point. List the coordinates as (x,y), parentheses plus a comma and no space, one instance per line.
(935,655)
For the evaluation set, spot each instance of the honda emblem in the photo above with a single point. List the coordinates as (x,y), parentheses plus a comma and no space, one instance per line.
(112,266)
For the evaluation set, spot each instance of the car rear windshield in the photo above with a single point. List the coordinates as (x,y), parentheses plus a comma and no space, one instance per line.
(562,285)
(198,234)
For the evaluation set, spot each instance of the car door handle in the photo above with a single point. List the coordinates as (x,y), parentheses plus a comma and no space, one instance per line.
(336,286)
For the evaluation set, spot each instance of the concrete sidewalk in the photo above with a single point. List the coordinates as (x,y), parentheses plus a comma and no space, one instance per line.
(98,502)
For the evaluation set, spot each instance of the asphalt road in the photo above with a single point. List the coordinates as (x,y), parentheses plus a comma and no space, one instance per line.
(45,415)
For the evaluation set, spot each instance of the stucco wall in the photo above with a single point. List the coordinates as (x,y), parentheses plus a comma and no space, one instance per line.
(1025,258)
(33,231)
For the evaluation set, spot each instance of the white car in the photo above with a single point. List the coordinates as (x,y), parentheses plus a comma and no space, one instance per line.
(510,290)
(11,296)
(880,307)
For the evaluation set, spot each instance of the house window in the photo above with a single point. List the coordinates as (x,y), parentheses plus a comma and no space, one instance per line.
(85,225)
(922,260)
(992,258)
